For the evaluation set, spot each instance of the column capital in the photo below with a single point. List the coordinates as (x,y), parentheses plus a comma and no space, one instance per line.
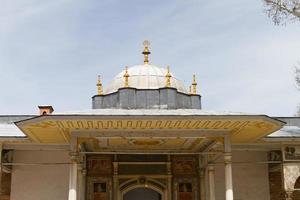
(169,168)
(289,195)
(227,158)
(84,172)
(202,172)
(74,155)
(81,168)
(211,167)
(116,168)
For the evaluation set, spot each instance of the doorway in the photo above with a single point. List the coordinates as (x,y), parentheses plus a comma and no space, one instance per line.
(142,193)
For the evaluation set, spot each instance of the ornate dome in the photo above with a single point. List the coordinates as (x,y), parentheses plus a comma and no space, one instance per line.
(145,76)
(146,87)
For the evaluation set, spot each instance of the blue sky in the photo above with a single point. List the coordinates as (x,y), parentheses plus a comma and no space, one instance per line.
(52,51)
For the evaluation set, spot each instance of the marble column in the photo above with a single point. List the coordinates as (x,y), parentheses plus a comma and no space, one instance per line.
(73,176)
(169,184)
(83,185)
(74,157)
(211,180)
(82,178)
(115,181)
(228,169)
(202,183)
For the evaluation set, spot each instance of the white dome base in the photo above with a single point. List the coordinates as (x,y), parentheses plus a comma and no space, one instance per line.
(145,77)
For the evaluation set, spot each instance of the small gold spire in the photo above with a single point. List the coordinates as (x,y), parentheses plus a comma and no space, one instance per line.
(126,76)
(168,77)
(146,51)
(194,85)
(99,86)
(190,89)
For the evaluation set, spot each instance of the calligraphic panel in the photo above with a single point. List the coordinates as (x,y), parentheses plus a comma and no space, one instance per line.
(184,165)
(99,166)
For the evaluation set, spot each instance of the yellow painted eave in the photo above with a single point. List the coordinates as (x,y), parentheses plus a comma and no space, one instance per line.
(59,128)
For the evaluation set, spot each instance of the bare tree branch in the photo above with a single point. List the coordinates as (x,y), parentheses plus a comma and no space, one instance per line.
(297,83)
(283,10)
(297,75)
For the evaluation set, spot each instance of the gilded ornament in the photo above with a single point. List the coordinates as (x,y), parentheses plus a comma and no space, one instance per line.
(168,77)
(146,51)
(194,85)
(99,86)
(126,77)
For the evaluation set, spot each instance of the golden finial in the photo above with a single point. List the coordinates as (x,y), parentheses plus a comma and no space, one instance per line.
(99,86)
(194,84)
(168,77)
(146,51)
(126,76)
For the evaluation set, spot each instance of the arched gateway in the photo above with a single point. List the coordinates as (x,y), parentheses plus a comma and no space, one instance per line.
(142,193)
(142,188)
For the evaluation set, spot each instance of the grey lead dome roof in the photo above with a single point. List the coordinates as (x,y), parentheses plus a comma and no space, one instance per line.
(145,76)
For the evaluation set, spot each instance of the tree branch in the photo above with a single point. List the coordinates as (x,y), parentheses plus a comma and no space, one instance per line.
(283,9)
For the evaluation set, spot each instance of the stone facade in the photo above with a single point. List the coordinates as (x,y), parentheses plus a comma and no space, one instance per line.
(251,181)
(40,181)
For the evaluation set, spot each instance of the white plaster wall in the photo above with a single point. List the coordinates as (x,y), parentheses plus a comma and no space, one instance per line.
(250,181)
(38,182)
